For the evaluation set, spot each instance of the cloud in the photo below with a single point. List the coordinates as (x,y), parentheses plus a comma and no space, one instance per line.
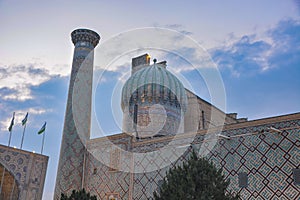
(297,3)
(156,40)
(250,54)
(246,55)
(286,39)
(179,28)
(16,81)
(112,73)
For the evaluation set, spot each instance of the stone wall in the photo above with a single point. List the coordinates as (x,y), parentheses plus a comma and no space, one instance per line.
(203,115)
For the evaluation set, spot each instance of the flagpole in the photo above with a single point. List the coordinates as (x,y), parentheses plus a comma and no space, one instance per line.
(10,132)
(24,121)
(10,128)
(23,136)
(43,141)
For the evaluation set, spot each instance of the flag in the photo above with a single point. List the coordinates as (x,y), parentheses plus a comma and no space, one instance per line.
(11,123)
(42,129)
(25,119)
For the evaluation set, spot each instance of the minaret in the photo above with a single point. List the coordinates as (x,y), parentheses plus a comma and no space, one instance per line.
(78,114)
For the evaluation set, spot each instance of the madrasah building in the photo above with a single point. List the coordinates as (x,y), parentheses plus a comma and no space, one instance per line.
(162,123)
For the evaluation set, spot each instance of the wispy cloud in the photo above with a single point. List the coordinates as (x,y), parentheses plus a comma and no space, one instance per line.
(286,40)
(156,40)
(297,2)
(178,27)
(16,81)
(112,73)
(250,54)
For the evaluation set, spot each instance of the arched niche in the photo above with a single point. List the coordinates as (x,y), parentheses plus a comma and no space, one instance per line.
(9,186)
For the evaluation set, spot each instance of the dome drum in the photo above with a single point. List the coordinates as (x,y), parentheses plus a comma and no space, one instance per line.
(159,99)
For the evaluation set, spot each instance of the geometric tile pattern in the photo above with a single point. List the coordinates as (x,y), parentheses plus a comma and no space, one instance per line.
(29,171)
(104,180)
(107,182)
(78,114)
(268,158)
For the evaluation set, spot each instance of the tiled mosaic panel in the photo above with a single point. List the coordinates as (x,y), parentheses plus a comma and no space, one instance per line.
(268,159)
(102,180)
(70,169)
(145,184)
(28,169)
(78,114)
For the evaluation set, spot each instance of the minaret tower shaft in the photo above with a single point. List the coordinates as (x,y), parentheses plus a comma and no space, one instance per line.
(78,114)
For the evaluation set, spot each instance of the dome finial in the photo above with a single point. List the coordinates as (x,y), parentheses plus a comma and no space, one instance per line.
(154,60)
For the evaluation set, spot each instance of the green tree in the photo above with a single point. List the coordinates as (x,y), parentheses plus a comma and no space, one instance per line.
(78,195)
(197,179)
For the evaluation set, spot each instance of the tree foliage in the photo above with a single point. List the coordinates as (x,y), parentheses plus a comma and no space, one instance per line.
(78,195)
(196,179)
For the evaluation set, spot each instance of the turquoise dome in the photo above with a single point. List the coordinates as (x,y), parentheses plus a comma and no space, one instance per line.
(154,84)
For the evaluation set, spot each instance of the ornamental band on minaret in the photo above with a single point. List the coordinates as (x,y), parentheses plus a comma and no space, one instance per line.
(78,113)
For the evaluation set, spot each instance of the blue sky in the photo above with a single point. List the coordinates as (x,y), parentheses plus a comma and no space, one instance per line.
(255,45)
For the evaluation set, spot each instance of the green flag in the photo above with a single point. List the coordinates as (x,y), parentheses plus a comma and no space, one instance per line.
(11,123)
(42,130)
(25,119)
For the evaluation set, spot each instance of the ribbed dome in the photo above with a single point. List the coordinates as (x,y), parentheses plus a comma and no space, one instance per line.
(154,84)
